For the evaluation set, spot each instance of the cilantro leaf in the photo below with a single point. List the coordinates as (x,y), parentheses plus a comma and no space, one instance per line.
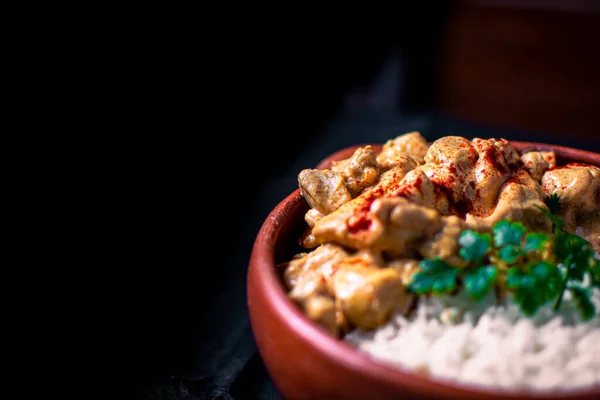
(478,281)
(553,203)
(435,276)
(556,222)
(516,279)
(576,254)
(509,254)
(536,286)
(595,272)
(473,245)
(507,233)
(548,277)
(535,241)
(585,305)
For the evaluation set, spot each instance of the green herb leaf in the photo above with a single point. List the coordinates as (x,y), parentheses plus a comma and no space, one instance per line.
(435,276)
(473,245)
(595,272)
(548,277)
(576,253)
(507,233)
(553,203)
(535,241)
(556,222)
(516,279)
(582,299)
(478,281)
(509,254)
(539,284)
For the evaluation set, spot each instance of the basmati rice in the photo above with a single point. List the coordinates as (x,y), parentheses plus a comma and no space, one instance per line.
(455,339)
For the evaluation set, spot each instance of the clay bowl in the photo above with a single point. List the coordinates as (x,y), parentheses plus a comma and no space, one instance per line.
(304,361)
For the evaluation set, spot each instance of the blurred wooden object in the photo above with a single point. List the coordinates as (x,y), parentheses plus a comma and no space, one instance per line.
(525,65)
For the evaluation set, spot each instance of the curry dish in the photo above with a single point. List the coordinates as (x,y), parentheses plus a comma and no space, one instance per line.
(374,216)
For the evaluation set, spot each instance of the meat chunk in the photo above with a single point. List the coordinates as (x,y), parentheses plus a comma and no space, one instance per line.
(307,276)
(394,151)
(318,263)
(350,217)
(311,295)
(307,240)
(367,294)
(321,309)
(520,199)
(324,190)
(589,228)
(418,188)
(400,223)
(454,151)
(578,188)
(538,162)
(448,164)
(387,224)
(495,165)
(360,171)
(444,244)
(469,174)
(407,268)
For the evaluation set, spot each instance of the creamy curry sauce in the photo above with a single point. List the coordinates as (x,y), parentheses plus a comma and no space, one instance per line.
(374,216)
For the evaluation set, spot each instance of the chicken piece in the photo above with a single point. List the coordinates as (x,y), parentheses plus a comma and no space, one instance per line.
(360,171)
(407,268)
(311,295)
(444,244)
(342,323)
(350,217)
(510,154)
(387,224)
(589,228)
(367,294)
(312,216)
(578,188)
(469,174)
(448,163)
(418,188)
(306,277)
(520,199)
(393,152)
(324,190)
(538,162)
(307,240)
(495,165)
(321,309)
(454,151)
(318,263)
(402,223)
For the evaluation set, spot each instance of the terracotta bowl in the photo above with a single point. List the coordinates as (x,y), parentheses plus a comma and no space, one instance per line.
(304,361)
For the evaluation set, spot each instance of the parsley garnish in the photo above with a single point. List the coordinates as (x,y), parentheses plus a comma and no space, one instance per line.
(478,281)
(473,245)
(553,203)
(525,263)
(582,298)
(435,276)
(535,285)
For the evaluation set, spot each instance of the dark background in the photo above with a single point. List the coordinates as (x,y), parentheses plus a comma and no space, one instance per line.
(290,91)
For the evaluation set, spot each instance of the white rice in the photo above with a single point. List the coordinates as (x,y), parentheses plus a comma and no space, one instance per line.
(455,339)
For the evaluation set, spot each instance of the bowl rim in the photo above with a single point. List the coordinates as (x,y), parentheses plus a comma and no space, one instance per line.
(344,354)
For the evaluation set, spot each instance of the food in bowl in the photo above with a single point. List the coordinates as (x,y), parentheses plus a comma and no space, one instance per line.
(461,259)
